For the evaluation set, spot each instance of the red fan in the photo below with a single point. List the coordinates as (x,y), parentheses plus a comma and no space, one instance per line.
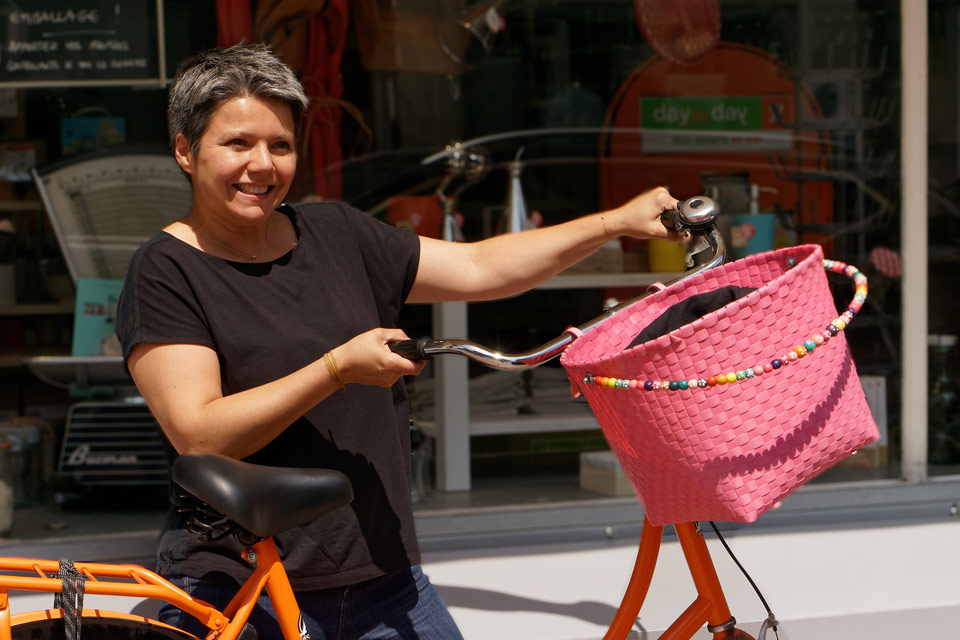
(679,30)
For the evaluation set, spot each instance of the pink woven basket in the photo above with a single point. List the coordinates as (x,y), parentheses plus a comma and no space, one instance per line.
(728,451)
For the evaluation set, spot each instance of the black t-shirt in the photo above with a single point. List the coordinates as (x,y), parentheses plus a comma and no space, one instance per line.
(349,273)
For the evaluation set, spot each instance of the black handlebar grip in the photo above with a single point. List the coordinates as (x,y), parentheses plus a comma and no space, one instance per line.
(411,349)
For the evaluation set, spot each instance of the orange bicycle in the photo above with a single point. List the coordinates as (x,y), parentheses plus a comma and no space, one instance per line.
(229,497)
(238,498)
(254,503)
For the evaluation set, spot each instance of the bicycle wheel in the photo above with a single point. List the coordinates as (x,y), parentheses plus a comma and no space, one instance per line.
(103,625)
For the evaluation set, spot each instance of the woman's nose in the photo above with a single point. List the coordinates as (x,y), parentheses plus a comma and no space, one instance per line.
(260,158)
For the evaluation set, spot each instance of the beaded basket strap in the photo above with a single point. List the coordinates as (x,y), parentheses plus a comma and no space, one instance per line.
(807,347)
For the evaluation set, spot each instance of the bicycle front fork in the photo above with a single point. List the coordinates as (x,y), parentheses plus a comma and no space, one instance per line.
(709,608)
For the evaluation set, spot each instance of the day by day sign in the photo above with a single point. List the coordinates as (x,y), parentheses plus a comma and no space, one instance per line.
(720,123)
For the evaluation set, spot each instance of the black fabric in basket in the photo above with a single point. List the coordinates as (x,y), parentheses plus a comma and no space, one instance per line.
(688,310)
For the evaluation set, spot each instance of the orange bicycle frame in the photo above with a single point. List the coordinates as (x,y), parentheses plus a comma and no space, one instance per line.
(136,582)
(710,606)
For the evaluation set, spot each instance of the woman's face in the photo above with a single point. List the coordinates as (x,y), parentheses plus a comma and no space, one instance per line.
(245,161)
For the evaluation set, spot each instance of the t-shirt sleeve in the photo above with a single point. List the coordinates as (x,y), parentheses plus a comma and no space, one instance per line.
(156,303)
(391,257)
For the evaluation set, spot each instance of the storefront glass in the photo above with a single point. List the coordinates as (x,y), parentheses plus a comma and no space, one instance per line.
(787,110)
(944,241)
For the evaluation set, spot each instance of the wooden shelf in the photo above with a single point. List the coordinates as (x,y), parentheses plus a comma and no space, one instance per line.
(601,280)
(522,424)
(15,358)
(38,309)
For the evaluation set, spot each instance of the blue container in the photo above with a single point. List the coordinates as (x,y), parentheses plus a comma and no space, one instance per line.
(752,233)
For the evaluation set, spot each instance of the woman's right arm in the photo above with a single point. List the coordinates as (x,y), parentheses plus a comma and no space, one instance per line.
(181,386)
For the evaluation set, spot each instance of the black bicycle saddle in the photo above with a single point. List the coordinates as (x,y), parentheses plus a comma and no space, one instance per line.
(263,500)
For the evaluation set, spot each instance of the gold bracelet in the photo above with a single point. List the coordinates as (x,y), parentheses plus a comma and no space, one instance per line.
(604,223)
(334,370)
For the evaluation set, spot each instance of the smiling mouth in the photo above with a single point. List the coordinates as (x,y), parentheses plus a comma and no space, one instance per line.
(253,190)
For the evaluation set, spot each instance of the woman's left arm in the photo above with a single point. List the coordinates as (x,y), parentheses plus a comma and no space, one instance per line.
(511,263)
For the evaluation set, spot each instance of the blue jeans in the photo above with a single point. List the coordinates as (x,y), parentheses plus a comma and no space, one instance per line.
(399,606)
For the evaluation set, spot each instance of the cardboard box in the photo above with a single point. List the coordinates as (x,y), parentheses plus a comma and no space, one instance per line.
(600,472)
(876,454)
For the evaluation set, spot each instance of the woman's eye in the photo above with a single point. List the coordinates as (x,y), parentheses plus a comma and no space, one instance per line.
(237,142)
(282,145)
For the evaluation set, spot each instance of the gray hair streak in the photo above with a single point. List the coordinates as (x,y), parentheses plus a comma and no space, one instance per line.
(209,79)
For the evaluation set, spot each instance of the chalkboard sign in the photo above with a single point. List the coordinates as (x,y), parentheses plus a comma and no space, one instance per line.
(67,42)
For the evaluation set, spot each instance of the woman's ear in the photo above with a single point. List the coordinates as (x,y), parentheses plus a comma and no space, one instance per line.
(183,153)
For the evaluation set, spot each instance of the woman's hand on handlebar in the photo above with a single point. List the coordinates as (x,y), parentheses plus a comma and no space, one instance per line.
(640,217)
(367,359)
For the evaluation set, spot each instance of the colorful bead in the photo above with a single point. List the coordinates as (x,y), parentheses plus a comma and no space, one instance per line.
(808,346)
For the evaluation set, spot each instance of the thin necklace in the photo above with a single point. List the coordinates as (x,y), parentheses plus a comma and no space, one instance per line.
(235,251)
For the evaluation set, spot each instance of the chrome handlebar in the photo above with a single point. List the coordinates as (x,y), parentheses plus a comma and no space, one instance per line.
(696,215)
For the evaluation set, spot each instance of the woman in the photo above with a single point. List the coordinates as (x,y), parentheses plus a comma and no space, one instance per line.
(259,330)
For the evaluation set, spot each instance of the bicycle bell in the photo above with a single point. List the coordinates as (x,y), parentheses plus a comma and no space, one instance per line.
(694,214)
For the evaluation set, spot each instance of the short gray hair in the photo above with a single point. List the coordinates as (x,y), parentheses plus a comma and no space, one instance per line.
(209,79)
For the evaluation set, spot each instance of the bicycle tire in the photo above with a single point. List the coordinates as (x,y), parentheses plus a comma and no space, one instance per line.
(99,628)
